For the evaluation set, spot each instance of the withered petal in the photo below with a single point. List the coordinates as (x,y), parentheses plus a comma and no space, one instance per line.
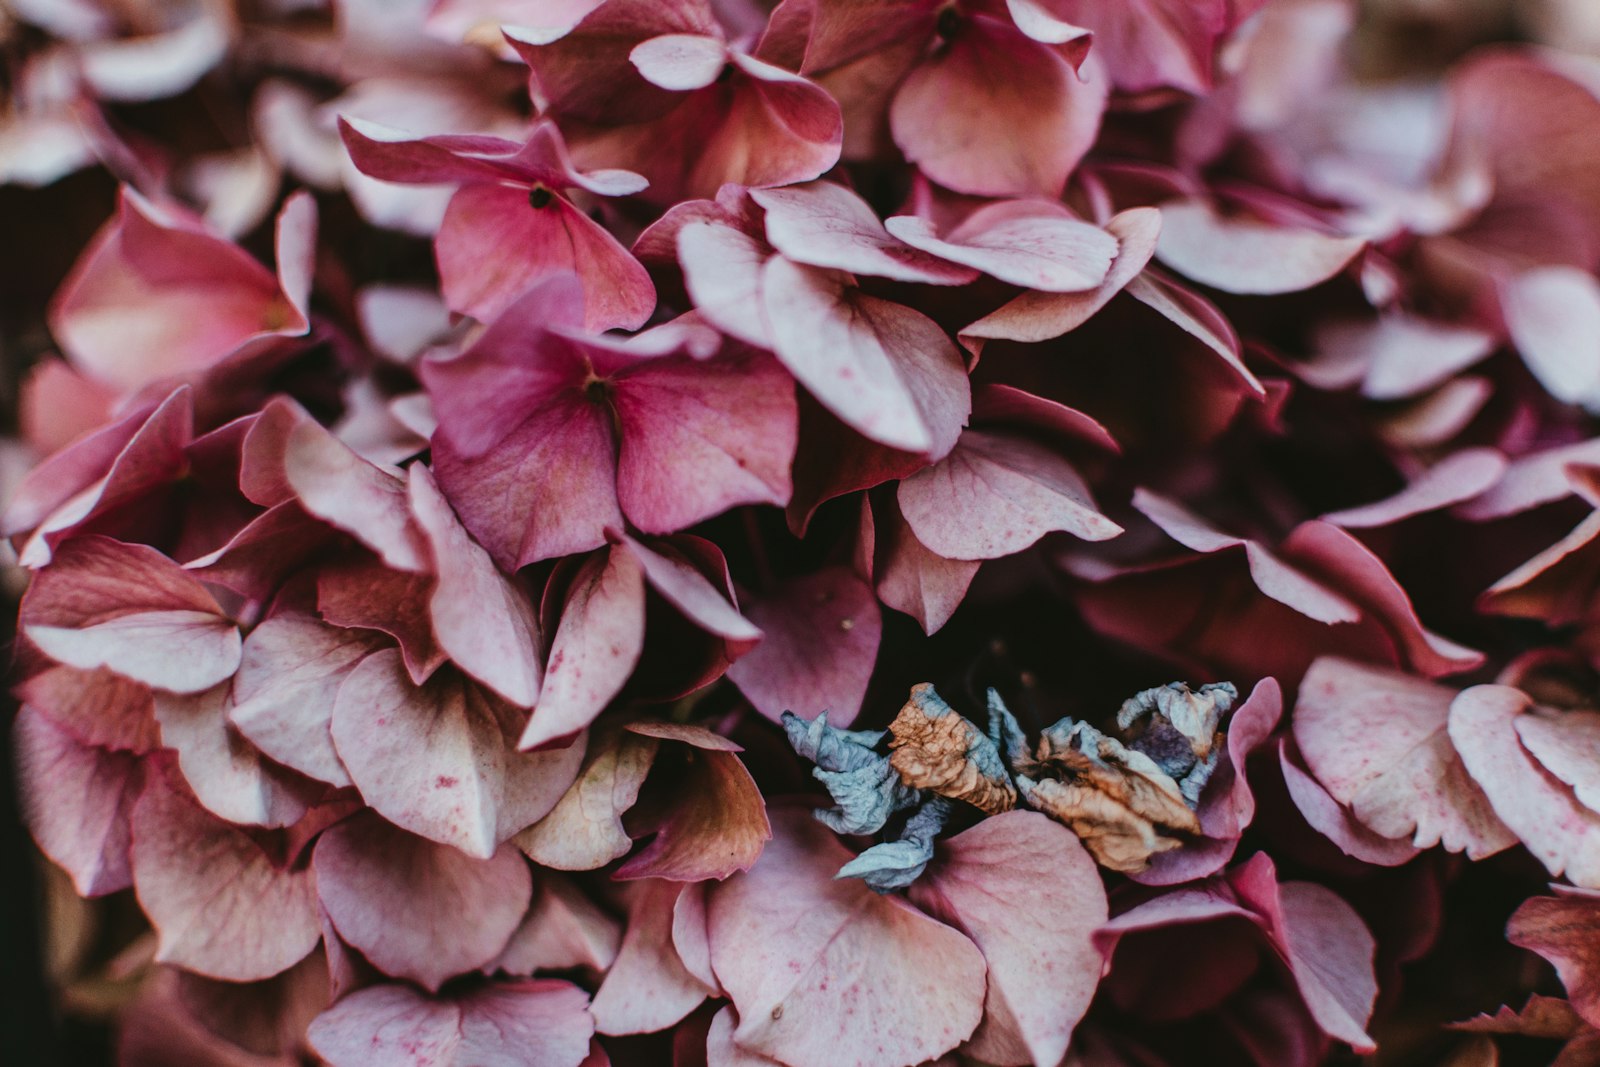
(934,748)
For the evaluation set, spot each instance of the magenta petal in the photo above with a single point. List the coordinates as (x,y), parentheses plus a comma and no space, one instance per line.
(597,645)
(886,370)
(76,800)
(284,692)
(440,759)
(483,620)
(1150,44)
(230,777)
(995,495)
(821,643)
(1377,740)
(822,224)
(783,934)
(1017,135)
(527,1022)
(493,246)
(701,437)
(648,988)
(1245,255)
(1032,244)
(131,610)
(1023,888)
(416,909)
(239,915)
(1560,831)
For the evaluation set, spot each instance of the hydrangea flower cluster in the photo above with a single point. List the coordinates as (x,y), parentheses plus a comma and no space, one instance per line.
(487,488)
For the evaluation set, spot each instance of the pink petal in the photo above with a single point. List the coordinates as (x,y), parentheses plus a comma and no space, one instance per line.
(1565,931)
(680,61)
(95,707)
(995,495)
(821,643)
(238,915)
(584,831)
(416,909)
(482,619)
(1196,316)
(440,760)
(128,608)
(1559,831)
(1018,135)
(1032,244)
(886,370)
(528,1022)
(1553,314)
(717,822)
(367,595)
(1532,479)
(288,454)
(229,776)
(1034,316)
(827,973)
(494,245)
(596,647)
(1377,740)
(1402,355)
(699,437)
(723,1051)
(670,570)
(1567,744)
(1023,888)
(1330,819)
(722,270)
(1151,44)
(913,578)
(563,929)
(822,224)
(1227,805)
(1272,575)
(284,692)
(648,988)
(1458,477)
(76,799)
(1239,255)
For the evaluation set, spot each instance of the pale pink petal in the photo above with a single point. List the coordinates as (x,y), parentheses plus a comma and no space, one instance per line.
(230,777)
(716,824)
(1239,255)
(1378,741)
(1032,244)
(526,1022)
(1533,479)
(1567,744)
(690,936)
(1332,820)
(826,973)
(369,596)
(440,759)
(995,495)
(701,437)
(284,692)
(1016,135)
(912,578)
(1023,888)
(679,61)
(723,1051)
(221,906)
(1460,476)
(822,224)
(821,643)
(416,909)
(584,830)
(156,65)
(1036,316)
(648,988)
(1402,355)
(722,270)
(1553,314)
(886,370)
(1559,831)
(76,799)
(671,573)
(597,645)
(96,707)
(563,929)
(1196,316)
(483,620)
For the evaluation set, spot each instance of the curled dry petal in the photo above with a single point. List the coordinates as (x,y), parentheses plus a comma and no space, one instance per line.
(865,787)
(932,747)
(892,865)
(416,909)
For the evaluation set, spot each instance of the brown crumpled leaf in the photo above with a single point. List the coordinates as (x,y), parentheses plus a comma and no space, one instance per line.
(934,748)
(1118,800)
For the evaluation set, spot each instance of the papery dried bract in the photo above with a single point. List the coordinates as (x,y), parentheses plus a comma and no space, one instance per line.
(934,748)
